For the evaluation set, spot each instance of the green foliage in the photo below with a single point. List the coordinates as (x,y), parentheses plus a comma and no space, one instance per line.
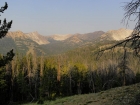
(3,87)
(48,83)
(35,78)
(6,59)
(126,95)
(22,89)
(3,31)
(4,78)
(137,77)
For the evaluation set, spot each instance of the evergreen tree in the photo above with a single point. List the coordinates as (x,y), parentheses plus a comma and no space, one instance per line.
(4,27)
(4,84)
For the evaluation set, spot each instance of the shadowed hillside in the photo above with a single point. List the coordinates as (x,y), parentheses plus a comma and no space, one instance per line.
(128,95)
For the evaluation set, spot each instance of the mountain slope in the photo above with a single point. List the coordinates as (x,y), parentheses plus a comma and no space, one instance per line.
(46,45)
(20,42)
(39,39)
(56,44)
(77,38)
(119,34)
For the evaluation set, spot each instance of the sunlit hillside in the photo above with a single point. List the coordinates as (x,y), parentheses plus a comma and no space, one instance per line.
(128,95)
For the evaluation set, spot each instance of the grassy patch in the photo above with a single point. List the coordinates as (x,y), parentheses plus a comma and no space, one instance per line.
(127,95)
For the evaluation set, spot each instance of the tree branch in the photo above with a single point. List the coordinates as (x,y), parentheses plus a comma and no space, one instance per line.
(4,7)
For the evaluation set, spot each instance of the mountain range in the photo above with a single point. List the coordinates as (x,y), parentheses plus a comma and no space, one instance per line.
(55,44)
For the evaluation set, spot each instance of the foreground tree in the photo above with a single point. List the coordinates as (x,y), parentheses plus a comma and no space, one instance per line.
(5,26)
(4,81)
(133,9)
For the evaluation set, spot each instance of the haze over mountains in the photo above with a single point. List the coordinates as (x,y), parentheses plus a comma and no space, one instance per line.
(47,45)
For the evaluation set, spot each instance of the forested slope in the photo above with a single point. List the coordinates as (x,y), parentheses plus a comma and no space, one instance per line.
(38,78)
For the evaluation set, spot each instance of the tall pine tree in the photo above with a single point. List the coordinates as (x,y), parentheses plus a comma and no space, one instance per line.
(4,84)
(4,27)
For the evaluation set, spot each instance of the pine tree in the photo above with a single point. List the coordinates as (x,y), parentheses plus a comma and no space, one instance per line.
(4,27)
(4,83)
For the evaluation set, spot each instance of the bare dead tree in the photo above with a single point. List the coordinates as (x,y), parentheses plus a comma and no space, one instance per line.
(132,9)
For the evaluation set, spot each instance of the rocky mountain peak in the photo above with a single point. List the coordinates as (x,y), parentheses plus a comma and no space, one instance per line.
(16,34)
(119,34)
(35,36)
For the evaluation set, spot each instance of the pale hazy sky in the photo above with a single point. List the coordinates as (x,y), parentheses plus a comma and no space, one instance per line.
(64,16)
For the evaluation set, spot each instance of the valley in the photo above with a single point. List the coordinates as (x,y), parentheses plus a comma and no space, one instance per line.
(51,67)
(70,52)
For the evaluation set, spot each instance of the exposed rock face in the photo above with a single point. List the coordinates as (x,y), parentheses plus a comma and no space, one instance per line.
(120,34)
(35,36)
(60,37)
(17,34)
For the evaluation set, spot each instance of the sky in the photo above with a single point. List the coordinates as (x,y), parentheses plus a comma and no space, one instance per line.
(49,17)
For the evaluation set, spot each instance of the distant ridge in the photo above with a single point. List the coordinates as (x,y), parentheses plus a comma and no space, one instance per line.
(35,36)
(119,34)
(56,44)
(39,39)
